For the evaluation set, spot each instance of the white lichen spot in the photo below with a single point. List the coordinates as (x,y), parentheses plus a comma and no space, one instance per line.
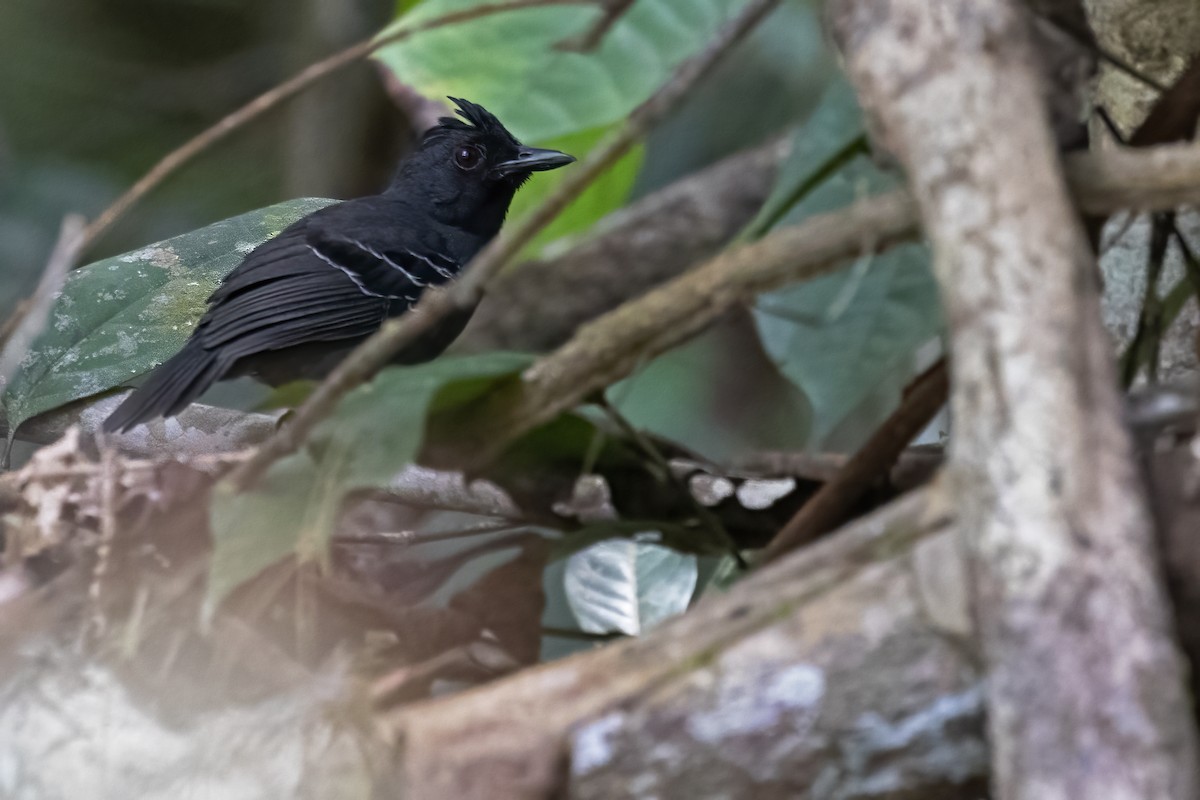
(242,247)
(710,490)
(145,254)
(126,344)
(592,747)
(758,495)
(745,705)
(157,255)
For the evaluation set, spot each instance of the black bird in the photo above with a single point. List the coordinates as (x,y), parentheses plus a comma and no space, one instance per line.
(300,302)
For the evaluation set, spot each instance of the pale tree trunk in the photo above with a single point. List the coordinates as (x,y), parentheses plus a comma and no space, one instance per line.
(1085,687)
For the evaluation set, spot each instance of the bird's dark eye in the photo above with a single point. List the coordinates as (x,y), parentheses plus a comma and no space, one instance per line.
(467,157)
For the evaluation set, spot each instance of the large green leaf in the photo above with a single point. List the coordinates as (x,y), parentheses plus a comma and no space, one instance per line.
(119,318)
(375,432)
(512,63)
(840,337)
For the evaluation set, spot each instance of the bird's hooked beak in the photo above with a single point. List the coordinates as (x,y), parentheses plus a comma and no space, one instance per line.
(533,159)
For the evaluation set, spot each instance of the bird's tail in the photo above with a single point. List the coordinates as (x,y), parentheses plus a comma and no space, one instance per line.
(170,388)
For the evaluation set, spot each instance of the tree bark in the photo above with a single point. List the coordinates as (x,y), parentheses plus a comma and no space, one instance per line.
(1085,687)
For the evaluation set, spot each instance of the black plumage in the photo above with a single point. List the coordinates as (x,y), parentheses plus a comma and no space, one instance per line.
(300,302)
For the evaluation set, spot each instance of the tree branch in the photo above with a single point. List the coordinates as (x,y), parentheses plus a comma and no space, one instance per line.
(832,503)
(612,346)
(30,318)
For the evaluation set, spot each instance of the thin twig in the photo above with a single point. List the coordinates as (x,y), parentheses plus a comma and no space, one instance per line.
(375,353)
(827,508)
(284,91)
(31,316)
(591,38)
(37,310)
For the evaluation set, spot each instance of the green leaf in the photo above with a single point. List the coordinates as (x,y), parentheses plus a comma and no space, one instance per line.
(121,317)
(839,337)
(832,136)
(375,432)
(511,63)
(626,586)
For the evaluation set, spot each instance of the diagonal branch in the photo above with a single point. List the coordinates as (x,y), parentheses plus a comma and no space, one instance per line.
(611,347)
(834,500)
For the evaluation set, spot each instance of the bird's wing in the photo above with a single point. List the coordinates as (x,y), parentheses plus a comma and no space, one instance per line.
(304,286)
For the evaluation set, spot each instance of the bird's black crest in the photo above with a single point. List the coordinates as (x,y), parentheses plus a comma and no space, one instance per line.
(478,117)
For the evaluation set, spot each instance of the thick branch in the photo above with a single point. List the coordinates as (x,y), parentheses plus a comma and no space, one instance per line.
(610,348)
(1085,688)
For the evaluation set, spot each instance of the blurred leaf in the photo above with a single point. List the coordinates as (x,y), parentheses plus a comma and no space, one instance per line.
(832,136)
(121,317)
(509,62)
(375,432)
(838,337)
(606,194)
(628,586)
